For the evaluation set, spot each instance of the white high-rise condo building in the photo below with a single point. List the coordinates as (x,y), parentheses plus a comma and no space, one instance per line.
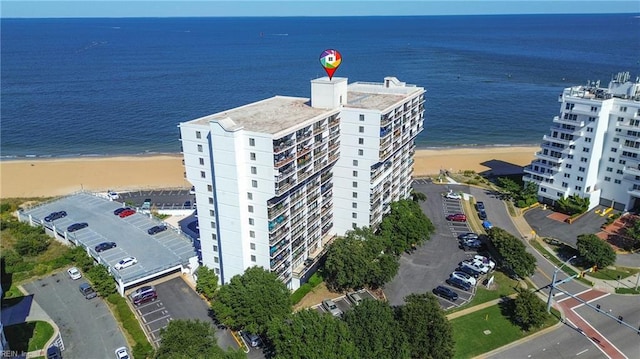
(276,180)
(593,146)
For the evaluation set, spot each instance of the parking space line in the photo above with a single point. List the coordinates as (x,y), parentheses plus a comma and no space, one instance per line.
(155,320)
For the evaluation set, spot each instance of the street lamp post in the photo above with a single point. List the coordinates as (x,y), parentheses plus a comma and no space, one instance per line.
(553,283)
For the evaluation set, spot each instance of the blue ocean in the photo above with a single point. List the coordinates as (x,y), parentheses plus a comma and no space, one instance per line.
(111,86)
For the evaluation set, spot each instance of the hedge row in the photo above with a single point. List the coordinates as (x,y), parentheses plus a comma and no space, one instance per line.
(313,282)
(123,313)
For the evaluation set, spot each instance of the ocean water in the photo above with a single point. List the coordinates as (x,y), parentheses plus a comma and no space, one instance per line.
(83,87)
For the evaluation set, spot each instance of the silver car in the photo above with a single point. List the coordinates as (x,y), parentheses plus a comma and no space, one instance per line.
(464,277)
(331,307)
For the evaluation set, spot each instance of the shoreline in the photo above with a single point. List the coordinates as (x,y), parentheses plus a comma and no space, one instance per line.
(57,176)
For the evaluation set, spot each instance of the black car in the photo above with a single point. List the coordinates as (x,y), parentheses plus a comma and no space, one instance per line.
(458,283)
(104,246)
(480,206)
(469,271)
(55,215)
(467,236)
(77,226)
(120,210)
(445,293)
(482,214)
(156,229)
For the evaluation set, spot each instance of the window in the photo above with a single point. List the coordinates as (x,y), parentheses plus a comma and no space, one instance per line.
(617,181)
(213,224)
(560,194)
(565,185)
(566,175)
(212,213)
(608,179)
(217,270)
(578,188)
(588,189)
(354,194)
(203,174)
(609,169)
(216,260)
(254,170)
(198,134)
(252,234)
(361,129)
(581,169)
(616,139)
(199,148)
(583,159)
(251,221)
(355,184)
(355,162)
(210,200)
(249,195)
(360,152)
(587,139)
(252,142)
(542,189)
(250,208)
(354,215)
(209,188)
(570,157)
(252,246)
(580,178)
(254,183)
(355,173)
(252,156)
(361,141)
(623,108)
(215,248)
(354,205)
(354,225)
(594,109)
(568,165)
(592,119)
(585,149)
(589,129)
(619,172)
(361,117)
(622,162)
(201,160)
(614,150)
(572,147)
(253,258)
(611,159)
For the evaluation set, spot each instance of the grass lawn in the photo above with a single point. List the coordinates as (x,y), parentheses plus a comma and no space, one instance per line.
(503,286)
(627,291)
(28,336)
(555,260)
(468,331)
(612,274)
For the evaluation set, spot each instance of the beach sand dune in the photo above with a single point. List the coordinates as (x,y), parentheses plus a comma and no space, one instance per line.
(56,177)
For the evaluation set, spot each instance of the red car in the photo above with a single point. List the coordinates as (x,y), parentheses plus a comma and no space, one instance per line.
(126,213)
(458,217)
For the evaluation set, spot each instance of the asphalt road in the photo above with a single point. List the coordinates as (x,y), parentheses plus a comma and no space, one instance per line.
(87,326)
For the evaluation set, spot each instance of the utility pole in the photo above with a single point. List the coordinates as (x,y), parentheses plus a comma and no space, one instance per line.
(553,283)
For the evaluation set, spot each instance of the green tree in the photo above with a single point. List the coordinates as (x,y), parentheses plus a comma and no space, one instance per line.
(31,241)
(207,282)
(418,196)
(510,189)
(512,252)
(191,339)
(595,251)
(429,333)
(370,325)
(307,334)
(633,236)
(405,226)
(359,259)
(252,300)
(102,281)
(528,310)
(573,204)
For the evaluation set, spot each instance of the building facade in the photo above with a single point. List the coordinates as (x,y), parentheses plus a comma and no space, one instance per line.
(592,147)
(278,179)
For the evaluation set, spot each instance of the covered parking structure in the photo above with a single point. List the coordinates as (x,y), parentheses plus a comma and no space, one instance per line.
(157,255)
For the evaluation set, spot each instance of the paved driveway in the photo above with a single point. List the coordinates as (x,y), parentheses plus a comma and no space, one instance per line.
(87,327)
(567,233)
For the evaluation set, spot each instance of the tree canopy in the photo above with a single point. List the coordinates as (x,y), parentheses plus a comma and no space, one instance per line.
(512,252)
(359,259)
(405,225)
(573,204)
(207,282)
(192,339)
(595,251)
(307,334)
(251,300)
(427,329)
(523,195)
(375,331)
(529,311)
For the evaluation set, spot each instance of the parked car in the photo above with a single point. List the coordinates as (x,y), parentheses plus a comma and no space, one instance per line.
(458,283)
(74,273)
(125,263)
(104,246)
(112,195)
(77,226)
(253,339)
(355,298)
(473,244)
(55,215)
(331,307)
(87,291)
(487,225)
(467,236)
(485,260)
(445,292)
(53,352)
(452,195)
(480,206)
(122,353)
(142,290)
(187,204)
(146,205)
(145,297)
(192,190)
(157,229)
(457,217)
(478,266)
(470,271)
(464,277)
(482,214)
(120,210)
(126,213)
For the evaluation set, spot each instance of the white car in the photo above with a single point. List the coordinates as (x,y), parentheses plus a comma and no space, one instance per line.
(464,277)
(122,353)
(331,307)
(477,266)
(74,273)
(126,262)
(484,260)
(112,195)
(453,195)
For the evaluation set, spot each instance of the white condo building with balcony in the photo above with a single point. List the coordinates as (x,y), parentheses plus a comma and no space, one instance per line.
(276,180)
(593,146)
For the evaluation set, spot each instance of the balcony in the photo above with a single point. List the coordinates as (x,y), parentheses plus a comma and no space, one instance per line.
(384,132)
(334,133)
(634,191)
(282,145)
(334,121)
(283,186)
(278,235)
(326,208)
(385,120)
(558,119)
(319,152)
(634,171)
(326,187)
(284,173)
(319,129)
(303,134)
(274,250)
(303,161)
(326,177)
(277,223)
(564,141)
(334,144)
(281,160)
(333,157)
(548,157)
(277,209)
(529,169)
(302,150)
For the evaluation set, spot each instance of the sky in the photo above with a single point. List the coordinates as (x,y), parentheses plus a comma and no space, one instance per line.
(211,8)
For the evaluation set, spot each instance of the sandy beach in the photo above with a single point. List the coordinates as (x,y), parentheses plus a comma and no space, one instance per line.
(56,177)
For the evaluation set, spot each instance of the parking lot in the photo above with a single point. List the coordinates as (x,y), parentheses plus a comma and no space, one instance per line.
(87,327)
(177,300)
(160,199)
(343,303)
